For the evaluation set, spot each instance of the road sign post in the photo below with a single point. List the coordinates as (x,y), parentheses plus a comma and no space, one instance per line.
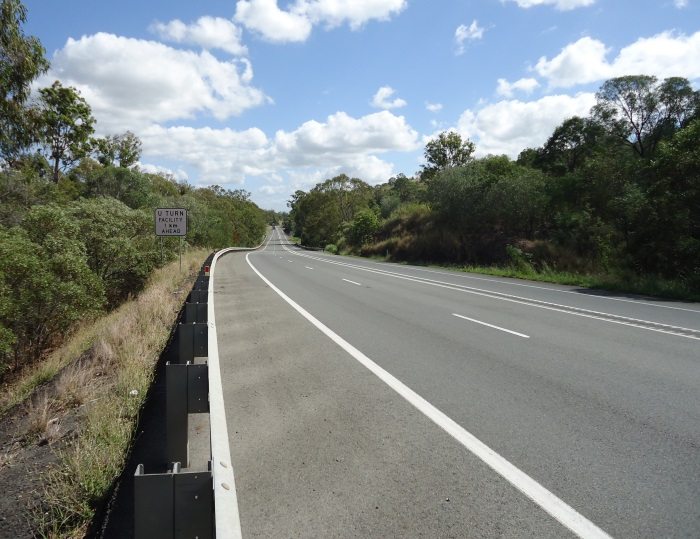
(171,222)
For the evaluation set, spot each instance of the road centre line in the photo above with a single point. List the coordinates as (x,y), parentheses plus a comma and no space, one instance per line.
(509,283)
(566,309)
(353,282)
(549,502)
(308,267)
(492,326)
(579,294)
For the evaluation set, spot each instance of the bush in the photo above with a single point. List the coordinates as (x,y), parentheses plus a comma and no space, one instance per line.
(46,285)
(331,248)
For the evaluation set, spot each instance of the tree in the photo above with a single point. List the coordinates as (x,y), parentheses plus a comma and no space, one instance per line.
(572,142)
(640,112)
(446,151)
(21,61)
(66,124)
(123,150)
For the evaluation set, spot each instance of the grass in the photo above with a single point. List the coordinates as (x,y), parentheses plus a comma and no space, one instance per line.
(19,390)
(105,369)
(645,285)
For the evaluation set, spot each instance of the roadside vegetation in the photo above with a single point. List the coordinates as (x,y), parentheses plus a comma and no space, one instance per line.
(88,293)
(76,210)
(611,200)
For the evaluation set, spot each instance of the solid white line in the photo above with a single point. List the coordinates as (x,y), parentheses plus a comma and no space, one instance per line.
(226,516)
(549,502)
(353,282)
(540,304)
(511,282)
(492,326)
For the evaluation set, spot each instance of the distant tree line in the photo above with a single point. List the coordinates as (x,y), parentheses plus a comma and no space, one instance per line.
(76,215)
(616,192)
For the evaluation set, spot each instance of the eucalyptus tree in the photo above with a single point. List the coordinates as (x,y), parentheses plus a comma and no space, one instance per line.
(21,61)
(65,126)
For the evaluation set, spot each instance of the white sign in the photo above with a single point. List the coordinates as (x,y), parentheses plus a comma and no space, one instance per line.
(171,222)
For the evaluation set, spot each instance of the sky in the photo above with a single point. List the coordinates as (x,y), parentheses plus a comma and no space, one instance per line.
(272,96)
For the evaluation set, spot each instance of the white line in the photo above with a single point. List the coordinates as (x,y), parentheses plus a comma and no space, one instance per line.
(308,267)
(492,326)
(226,517)
(465,275)
(289,261)
(353,282)
(540,304)
(549,502)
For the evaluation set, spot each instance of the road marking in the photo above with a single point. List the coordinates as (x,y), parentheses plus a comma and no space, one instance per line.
(353,282)
(492,326)
(289,261)
(308,267)
(510,283)
(540,304)
(549,502)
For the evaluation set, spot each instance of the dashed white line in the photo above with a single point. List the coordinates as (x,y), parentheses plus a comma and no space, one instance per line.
(549,502)
(566,309)
(353,282)
(492,326)
(308,267)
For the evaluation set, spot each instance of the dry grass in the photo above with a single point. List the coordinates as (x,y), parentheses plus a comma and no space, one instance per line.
(42,419)
(111,383)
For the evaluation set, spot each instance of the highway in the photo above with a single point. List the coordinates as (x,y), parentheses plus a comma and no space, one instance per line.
(367,399)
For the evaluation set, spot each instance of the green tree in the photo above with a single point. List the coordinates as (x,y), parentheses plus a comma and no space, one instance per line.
(364,227)
(119,242)
(44,267)
(122,150)
(21,61)
(66,124)
(639,111)
(574,141)
(446,151)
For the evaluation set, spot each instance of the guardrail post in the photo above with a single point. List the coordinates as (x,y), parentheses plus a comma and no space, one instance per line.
(176,442)
(193,505)
(173,505)
(187,392)
(153,505)
(195,312)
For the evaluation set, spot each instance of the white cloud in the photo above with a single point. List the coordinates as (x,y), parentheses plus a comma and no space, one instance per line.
(507,89)
(218,155)
(132,83)
(207,32)
(584,61)
(509,126)
(680,4)
(340,144)
(342,135)
(562,5)
(295,24)
(354,12)
(467,33)
(346,144)
(149,168)
(433,107)
(381,99)
(274,24)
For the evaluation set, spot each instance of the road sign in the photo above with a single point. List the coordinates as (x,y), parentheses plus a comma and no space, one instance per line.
(171,221)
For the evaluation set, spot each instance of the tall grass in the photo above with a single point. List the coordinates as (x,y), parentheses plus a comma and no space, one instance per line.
(118,353)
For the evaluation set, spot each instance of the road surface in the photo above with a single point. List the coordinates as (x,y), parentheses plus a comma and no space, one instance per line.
(367,399)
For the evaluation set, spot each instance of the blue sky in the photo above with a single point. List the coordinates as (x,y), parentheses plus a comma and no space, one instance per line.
(273,96)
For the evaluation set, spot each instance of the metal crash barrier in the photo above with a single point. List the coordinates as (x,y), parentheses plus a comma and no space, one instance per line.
(183,504)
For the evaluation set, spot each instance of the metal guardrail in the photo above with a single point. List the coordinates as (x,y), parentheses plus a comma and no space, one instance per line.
(202,504)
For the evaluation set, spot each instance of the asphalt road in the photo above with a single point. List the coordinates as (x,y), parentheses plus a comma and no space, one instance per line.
(414,402)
